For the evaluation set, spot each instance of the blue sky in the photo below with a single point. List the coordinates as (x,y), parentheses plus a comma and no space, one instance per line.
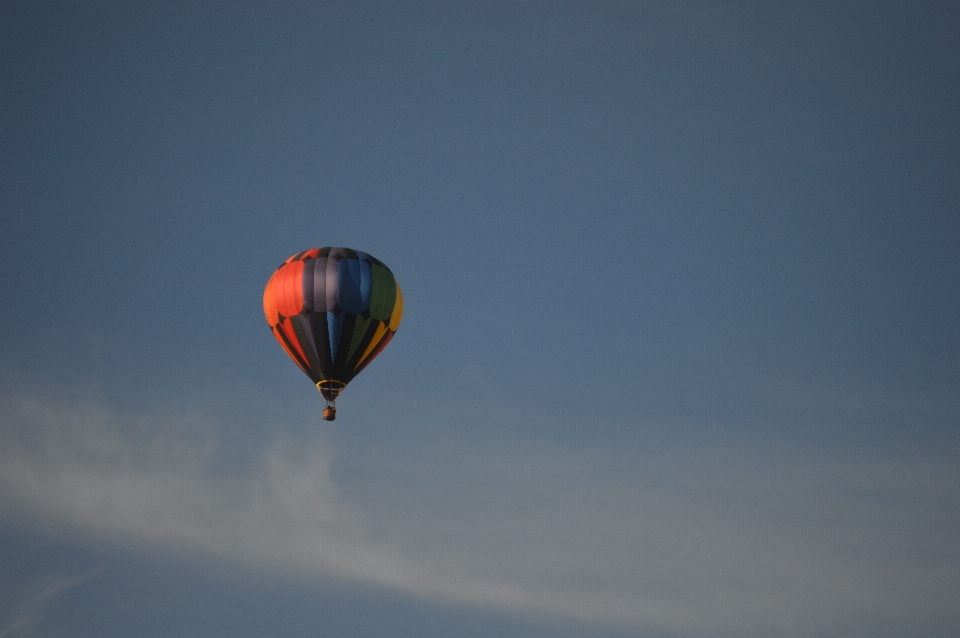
(680,347)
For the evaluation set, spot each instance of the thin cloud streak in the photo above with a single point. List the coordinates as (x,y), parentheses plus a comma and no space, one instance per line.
(701,541)
(29,611)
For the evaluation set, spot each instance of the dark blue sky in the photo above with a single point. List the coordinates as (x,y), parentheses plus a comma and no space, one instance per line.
(681,280)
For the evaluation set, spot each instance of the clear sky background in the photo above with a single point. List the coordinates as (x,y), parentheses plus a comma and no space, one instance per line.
(681,347)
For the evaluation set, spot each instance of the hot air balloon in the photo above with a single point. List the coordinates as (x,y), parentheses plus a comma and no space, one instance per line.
(332,310)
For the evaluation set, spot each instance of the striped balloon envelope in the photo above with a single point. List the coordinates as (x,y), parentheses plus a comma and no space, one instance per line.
(333,310)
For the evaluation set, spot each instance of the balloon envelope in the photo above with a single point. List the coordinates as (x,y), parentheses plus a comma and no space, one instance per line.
(332,310)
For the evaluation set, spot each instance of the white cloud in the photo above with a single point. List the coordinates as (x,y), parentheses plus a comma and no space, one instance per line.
(710,541)
(28,611)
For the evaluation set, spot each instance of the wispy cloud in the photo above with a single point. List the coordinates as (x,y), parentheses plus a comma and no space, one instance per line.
(28,611)
(710,541)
